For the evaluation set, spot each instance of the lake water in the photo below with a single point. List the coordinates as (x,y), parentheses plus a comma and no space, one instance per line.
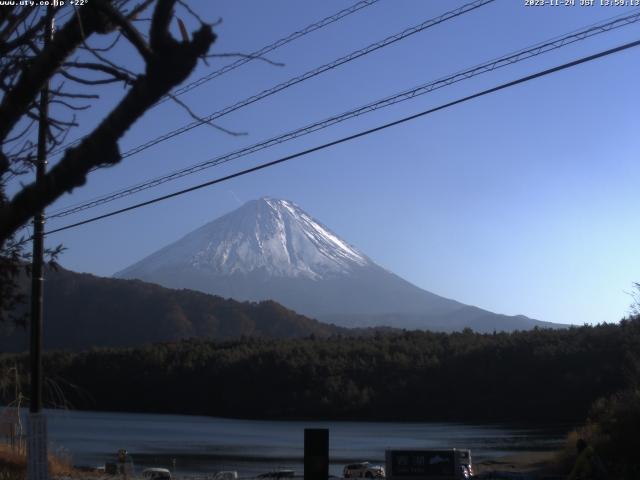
(198,445)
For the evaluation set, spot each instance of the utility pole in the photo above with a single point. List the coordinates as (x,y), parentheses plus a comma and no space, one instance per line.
(37,464)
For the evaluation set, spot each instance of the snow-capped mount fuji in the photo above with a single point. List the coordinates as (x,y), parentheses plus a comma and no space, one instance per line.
(272,249)
(275,237)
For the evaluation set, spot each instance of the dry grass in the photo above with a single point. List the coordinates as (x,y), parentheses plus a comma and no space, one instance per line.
(565,458)
(13,464)
(530,464)
(523,462)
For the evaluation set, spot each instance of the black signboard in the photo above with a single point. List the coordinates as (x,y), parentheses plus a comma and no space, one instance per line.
(316,453)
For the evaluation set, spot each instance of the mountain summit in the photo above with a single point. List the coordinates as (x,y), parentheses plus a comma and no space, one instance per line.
(271,249)
(274,237)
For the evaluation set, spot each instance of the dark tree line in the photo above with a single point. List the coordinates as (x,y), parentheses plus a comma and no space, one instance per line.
(538,375)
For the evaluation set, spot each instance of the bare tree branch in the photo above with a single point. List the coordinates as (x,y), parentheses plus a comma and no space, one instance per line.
(195,116)
(69,105)
(169,64)
(107,48)
(44,66)
(8,46)
(86,81)
(128,30)
(77,95)
(118,73)
(13,21)
(138,9)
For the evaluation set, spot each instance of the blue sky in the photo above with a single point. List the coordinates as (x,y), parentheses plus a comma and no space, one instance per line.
(521,202)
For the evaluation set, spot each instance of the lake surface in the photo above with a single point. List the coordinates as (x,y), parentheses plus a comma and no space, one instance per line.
(199,445)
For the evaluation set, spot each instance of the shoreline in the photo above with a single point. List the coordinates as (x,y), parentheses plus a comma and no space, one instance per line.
(529,465)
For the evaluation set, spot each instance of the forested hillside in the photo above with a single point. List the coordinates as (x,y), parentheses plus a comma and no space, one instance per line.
(539,375)
(84,311)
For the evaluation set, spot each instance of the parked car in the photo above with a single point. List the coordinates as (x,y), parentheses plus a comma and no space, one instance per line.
(156,474)
(363,470)
(226,475)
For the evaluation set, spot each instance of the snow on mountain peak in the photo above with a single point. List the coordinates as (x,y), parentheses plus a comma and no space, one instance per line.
(270,235)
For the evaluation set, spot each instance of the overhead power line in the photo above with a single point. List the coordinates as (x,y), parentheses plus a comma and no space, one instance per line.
(496,63)
(262,166)
(310,74)
(273,46)
(253,56)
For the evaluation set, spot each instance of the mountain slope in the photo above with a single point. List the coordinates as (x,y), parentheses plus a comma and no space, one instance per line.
(85,311)
(272,249)
(268,236)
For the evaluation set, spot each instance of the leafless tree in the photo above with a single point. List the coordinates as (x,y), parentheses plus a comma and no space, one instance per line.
(78,61)
(635,304)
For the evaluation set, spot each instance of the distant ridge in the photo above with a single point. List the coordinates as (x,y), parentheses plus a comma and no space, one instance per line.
(84,311)
(272,249)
